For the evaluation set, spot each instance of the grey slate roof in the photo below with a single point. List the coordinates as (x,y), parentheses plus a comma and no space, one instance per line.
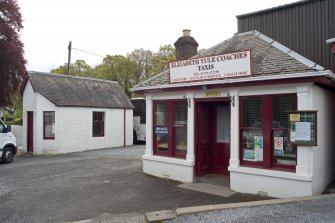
(268,58)
(65,90)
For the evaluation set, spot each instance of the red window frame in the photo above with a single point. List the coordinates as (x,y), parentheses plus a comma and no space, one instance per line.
(171,151)
(100,120)
(47,121)
(267,131)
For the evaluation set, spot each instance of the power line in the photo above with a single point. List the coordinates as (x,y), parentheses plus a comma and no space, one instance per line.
(88,52)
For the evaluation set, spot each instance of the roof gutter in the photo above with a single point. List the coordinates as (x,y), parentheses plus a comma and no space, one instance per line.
(324,73)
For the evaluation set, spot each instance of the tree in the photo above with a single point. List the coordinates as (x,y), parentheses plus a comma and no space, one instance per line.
(162,58)
(144,60)
(78,68)
(121,69)
(12,62)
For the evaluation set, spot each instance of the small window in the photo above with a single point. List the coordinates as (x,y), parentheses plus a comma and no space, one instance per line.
(98,124)
(49,125)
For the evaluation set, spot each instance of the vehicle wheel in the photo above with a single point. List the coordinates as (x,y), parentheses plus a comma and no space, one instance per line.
(134,137)
(7,155)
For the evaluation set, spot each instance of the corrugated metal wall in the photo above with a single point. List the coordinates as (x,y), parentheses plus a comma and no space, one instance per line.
(303,27)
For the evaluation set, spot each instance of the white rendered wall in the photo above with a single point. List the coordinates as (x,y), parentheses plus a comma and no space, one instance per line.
(324,153)
(73,126)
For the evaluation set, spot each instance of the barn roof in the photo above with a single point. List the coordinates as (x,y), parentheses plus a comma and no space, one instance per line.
(64,90)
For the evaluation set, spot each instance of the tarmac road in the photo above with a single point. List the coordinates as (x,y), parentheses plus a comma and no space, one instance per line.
(90,184)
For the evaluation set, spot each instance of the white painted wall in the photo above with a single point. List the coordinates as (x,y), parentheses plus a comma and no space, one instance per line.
(324,153)
(73,126)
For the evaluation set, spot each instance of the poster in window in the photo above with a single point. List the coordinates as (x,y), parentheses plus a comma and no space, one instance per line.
(303,128)
(258,143)
(278,143)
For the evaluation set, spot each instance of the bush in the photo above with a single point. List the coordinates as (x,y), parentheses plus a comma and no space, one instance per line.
(17,121)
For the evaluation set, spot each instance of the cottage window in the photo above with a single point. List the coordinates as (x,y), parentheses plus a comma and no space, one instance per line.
(49,125)
(264,132)
(98,124)
(170,128)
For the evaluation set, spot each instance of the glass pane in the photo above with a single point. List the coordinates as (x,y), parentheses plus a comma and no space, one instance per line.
(252,143)
(205,125)
(181,140)
(284,152)
(161,113)
(252,112)
(161,134)
(98,128)
(49,130)
(281,105)
(223,124)
(1,127)
(180,113)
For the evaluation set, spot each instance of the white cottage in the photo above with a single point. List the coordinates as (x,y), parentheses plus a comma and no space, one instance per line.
(63,114)
(248,108)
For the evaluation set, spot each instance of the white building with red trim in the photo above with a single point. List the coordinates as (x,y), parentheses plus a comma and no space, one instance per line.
(63,114)
(248,108)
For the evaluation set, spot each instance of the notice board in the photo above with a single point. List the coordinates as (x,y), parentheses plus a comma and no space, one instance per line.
(302,128)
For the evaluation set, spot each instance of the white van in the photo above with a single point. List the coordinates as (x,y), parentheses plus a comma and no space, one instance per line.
(8,147)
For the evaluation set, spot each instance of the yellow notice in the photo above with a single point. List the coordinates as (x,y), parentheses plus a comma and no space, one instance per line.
(213,93)
(295,117)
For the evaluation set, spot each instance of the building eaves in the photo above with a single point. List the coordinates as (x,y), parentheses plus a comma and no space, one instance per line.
(324,73)
(302,2)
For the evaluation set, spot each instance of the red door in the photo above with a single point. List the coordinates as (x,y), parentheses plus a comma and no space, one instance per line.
(221,138)
(30,131)
(204,143)
(213,138)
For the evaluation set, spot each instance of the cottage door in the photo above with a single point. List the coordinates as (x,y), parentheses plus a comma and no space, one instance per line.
(221,138)
(204,155)
(30,131)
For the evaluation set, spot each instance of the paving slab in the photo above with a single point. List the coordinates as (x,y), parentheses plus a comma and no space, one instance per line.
(208,188)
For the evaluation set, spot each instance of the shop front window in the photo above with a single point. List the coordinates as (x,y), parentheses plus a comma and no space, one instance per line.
(180,127)
(284,153)
(170,128)
(161,127)
(264,132)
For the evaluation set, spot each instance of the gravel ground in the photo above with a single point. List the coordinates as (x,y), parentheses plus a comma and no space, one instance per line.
(97,186)
(301,212)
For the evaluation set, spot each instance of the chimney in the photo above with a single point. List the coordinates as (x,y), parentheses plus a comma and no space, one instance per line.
(186,46)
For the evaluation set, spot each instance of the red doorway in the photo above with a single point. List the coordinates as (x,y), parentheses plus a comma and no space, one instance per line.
(30,131)
(212,135)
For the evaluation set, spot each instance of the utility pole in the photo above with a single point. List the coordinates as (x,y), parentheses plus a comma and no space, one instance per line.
(69,58)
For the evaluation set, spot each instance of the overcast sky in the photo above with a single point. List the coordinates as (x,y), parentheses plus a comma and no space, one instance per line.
(118,27)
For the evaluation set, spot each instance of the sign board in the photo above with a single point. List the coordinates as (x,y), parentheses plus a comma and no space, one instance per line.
(213,94)
(303,128)
(230,65)
(161,130)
